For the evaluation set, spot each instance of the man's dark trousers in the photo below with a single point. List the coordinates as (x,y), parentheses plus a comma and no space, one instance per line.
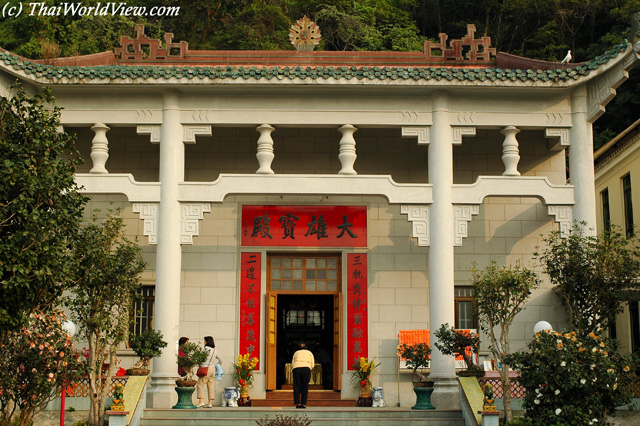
(301,378)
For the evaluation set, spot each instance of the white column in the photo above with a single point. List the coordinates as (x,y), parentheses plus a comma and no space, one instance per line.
(169,254)
(347,154)
(265,149)
(441,236)
(99,148)
(581,161)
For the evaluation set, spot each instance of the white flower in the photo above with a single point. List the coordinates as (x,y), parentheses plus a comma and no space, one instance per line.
(537,401)
(583,381)
(537,390)
(557,391)
(558,411)
(594,420)
(563,364)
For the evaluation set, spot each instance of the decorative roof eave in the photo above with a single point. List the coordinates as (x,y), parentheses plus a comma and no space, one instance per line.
(422,76)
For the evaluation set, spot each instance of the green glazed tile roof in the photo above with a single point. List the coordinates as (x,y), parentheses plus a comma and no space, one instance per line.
(116,72)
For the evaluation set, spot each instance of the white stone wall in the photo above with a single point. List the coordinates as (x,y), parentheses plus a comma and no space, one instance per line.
(506,230)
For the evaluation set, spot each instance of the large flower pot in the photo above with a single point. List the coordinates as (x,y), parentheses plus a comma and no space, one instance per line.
(184,398)
(423,396)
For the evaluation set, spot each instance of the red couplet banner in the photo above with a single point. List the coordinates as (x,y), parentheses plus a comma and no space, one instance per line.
(357,319)
(250,304)
(304,226)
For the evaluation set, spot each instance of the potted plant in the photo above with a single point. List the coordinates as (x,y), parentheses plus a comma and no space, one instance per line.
(192,355)
(361,377)
(243,373)
(417,358)
(146,345)
(460,343)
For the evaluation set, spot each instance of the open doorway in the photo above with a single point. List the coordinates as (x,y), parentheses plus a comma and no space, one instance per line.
(304,302)
(307,318)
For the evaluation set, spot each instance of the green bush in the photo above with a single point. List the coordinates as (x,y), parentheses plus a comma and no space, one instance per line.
(572,380)
(148,345)
(518,421)
(281,420)
(81,423)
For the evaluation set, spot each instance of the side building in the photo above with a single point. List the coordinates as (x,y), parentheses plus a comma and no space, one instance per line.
(335,197)
(617,173)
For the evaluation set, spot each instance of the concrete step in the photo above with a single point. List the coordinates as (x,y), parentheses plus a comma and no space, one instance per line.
(316,398)
(342,416)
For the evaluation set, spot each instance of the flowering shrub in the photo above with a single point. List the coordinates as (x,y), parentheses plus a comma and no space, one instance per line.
(192,355)
(570,379)
(458,342)
(417,357)
(364,369)
(243,370)
(36,361)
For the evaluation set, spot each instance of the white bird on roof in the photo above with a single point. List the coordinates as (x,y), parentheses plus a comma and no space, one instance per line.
(567,58)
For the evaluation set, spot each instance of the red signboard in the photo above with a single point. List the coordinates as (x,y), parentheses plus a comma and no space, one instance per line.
(357,319)
(304,226)
(250,304)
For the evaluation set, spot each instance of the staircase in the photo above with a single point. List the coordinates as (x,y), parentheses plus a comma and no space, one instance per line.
(327,416)
(316,398)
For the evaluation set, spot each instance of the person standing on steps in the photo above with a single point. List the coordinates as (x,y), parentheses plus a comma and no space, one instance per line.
(208,382)
(181,343)
(302,364)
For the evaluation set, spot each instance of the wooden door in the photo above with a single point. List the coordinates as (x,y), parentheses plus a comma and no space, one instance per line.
(337,341)
(272,317)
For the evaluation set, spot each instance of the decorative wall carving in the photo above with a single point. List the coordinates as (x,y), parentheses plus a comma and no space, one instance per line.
(153,130)
(149,214)
(191,216)
(419,218)
(564,216)
(422,133)
(602,91)
(559,138)
(191,130)
(462,216)
(459,132)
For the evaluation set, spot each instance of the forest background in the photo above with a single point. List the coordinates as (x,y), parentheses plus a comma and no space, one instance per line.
(539,29)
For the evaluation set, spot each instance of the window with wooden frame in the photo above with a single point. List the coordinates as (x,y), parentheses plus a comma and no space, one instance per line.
(465,308)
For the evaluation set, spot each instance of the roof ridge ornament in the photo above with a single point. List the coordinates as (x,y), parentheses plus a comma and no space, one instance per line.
(466,49)
(304,34)
(149,49)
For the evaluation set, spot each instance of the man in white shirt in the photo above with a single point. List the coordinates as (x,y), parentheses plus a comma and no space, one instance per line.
(302,364)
